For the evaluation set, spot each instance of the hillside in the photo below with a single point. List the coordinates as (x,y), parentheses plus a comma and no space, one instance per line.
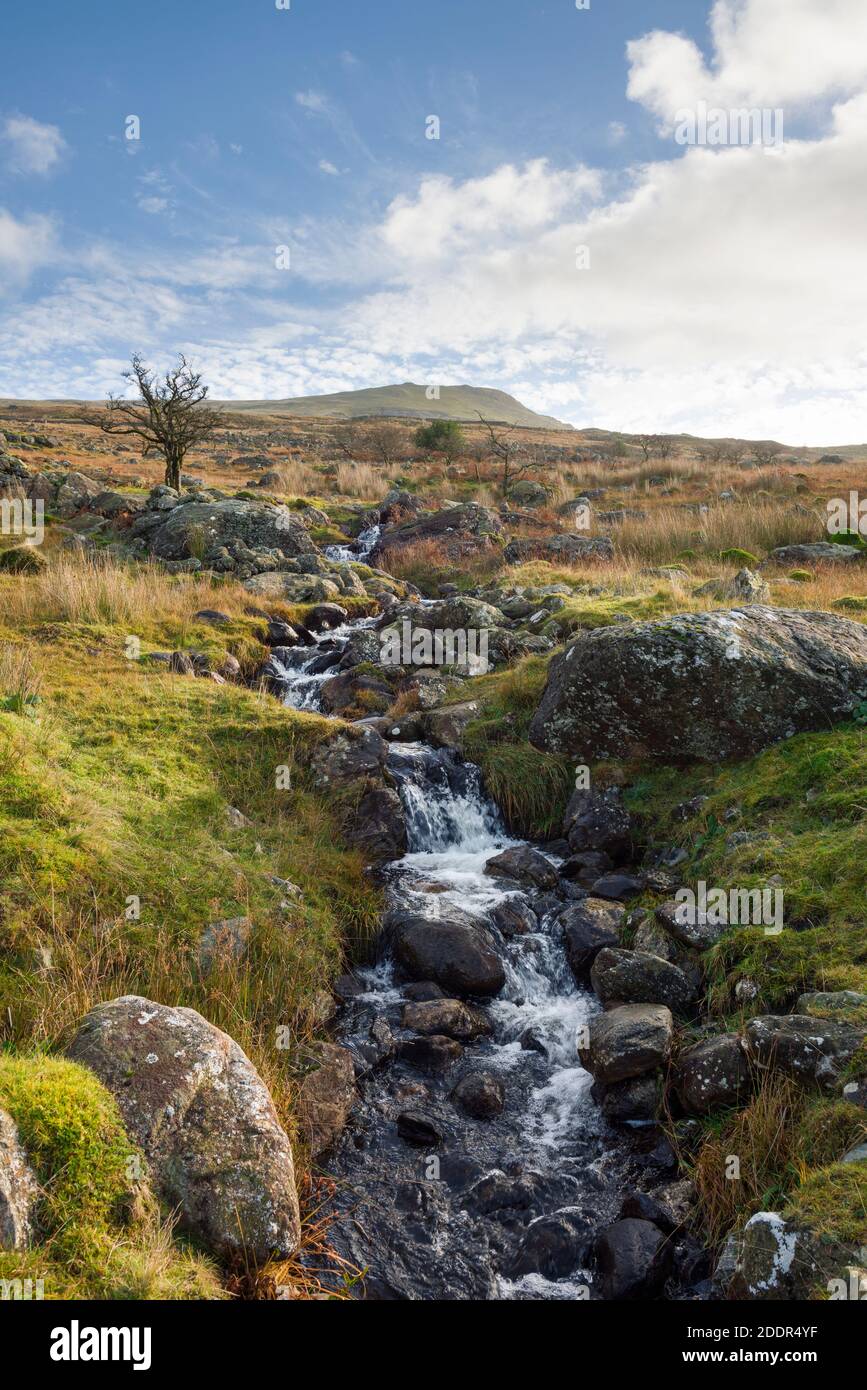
(409,401)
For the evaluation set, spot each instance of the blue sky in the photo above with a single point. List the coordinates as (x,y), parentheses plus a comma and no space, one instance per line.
(720,289)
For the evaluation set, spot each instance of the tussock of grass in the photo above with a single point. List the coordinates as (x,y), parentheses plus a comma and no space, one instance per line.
(778,1139)
(100,1231)
(531,788)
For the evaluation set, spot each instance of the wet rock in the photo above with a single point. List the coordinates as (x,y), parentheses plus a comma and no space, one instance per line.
(19,1189)
(811,1050)
(635,977)
(617,887)
(480,1095)
(422,991)
(533,1040)
(712,1075)
(634,1259)
(588,927)
(324,617)
(598,821)
(449,1017)
(514,918)
(498,1191)
(643,1206)
(701,686)
(195,1104)
(326,1097)
(635,1100)
(553,1246)
(459,953)
(628,1041)
(433,1054)
(585,869)
(524,864)
(418,1128)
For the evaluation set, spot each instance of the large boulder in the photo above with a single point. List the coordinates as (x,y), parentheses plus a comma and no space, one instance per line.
(637,977)
(712,1075)
(563,548)
(701,686)
(260,525)
(628,1041)
(458,952)
(19,1189)
(588,927)
(818,553)
(195,1104)
(813,1051)
(460,529)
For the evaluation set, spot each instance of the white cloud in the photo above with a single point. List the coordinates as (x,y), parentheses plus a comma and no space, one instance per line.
(765,52)
(32,146)
(312,101)
(25,245)
(328,168)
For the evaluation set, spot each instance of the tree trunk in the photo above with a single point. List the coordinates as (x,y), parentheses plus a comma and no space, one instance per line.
(173,471)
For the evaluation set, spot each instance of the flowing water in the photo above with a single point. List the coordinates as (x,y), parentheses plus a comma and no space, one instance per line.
(443,1220)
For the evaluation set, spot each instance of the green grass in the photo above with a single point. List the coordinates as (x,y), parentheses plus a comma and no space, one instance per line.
(530,788)
(808,796)
(99,1230)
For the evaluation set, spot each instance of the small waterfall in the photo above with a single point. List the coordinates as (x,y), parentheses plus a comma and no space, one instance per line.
(357,551)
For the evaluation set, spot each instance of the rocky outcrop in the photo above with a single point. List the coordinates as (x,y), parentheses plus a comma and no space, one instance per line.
(461,530)
(701,686)
(192,525)
(819,553)
(194,1103)
(351,768)
(19,1189)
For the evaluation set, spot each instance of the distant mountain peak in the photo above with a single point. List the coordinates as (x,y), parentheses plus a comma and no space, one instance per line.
(408,400)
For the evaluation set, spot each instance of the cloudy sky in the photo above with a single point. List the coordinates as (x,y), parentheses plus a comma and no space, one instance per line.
(285,218)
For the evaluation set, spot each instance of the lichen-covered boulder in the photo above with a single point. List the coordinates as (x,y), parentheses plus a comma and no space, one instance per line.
(195,1104)
(637,977)
(712,1075)
(260,525)
(701,686)
(814,1051)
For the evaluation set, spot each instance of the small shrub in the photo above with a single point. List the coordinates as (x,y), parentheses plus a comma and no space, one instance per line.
(22,559)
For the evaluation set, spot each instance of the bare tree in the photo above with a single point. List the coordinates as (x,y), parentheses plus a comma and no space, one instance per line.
(764,453)
(663,445)
(511,454)
(349,440)
(169,415)
(388,443)
(645,444)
